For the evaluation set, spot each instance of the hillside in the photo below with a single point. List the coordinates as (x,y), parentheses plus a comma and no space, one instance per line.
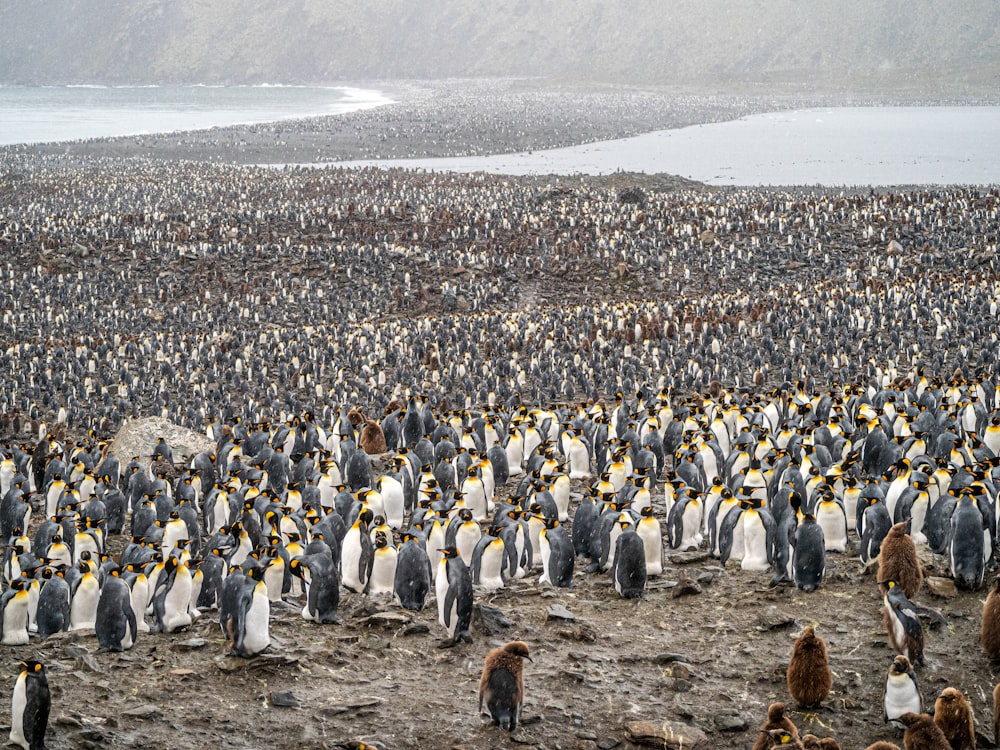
(892,45)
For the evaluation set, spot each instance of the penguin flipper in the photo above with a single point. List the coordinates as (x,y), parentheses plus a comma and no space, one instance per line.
(528,552)
(675,523)
(239,622)
(449,601)
(770,532)
(726,533)
(130,620)
(477,556)
(366,559)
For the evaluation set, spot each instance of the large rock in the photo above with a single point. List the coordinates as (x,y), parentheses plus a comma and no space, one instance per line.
(669,735)
(137,437)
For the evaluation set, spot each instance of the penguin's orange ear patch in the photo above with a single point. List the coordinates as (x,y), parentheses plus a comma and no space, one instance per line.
(38,667)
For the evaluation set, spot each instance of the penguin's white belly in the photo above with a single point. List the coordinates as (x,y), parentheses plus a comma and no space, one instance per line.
(900,697)
(175,604)
(15,624)
(140,600)
(466,539)
(834,527)
(383,578)
(545,552)
(257,637)
(17,703)
(491,569)
(755,547)
(83,610)
(274,580)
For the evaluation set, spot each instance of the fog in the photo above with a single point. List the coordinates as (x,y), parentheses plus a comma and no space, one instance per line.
(852,44)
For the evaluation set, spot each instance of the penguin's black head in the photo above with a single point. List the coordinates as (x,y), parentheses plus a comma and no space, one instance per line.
(30,666)
(450,552)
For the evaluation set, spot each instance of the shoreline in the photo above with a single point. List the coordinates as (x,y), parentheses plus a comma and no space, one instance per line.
(457,118)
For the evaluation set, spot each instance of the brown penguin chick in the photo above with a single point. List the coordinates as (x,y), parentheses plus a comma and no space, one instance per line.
(922,733)
(356,416)
(989,634)
(372,438)
(809,678)
(828,743)
(776,719)
(502,685)
(811,742)
(996,714)
(897,560)
(783,738)
(953,714)
(882,745)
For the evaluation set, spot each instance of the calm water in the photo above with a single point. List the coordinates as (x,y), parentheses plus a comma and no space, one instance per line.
(36,114)
(840,146)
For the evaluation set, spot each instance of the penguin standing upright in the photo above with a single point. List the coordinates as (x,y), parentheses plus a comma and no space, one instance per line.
(628,572)
(85,593)
(14,615)
(383,575)
(116,624)
(898,561)
(357,554)
(558,557)
(809,677)
(953,715)
(967,544)
(52,615)
(809,555)
(902,624)
(244,612)
(172,596)
(902,694)
(501,686)
(320,574)
(413,573)
(453,587)
(29,707)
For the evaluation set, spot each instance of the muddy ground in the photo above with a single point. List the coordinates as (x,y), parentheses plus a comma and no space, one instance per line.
(712,660)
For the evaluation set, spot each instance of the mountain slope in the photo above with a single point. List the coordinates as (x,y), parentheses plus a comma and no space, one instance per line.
(892,43)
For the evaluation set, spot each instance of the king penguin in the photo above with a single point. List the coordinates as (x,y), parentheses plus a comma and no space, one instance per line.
(809,554)
(29,707)
(172,596)
(116,624)
(319,573)
(383,575)
(14,615)
(413,573)
(357,554)
(556,551)
(629,568)
(244,612)
(453,587)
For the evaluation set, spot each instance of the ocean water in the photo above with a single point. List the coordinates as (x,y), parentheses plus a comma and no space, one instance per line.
(835,146)
(39,114)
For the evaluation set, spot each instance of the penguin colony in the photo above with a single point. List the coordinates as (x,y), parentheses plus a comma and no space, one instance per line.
(859,405)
